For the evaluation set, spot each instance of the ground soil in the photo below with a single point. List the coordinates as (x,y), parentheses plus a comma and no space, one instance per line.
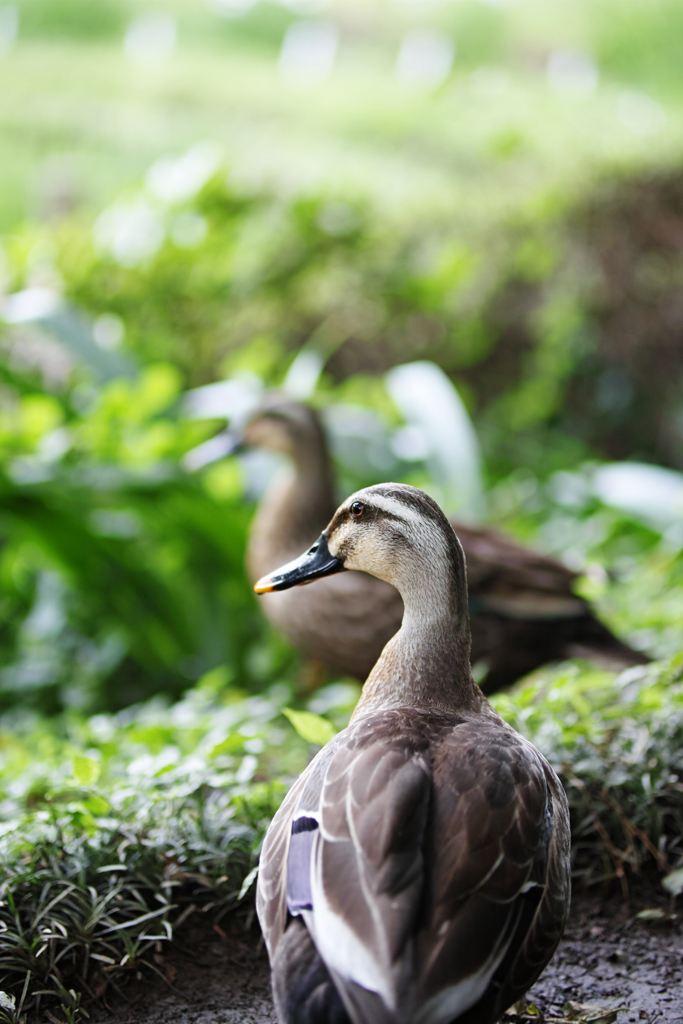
(609,959)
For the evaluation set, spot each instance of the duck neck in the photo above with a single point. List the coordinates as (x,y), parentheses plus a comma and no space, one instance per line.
(297,506)
(426,665)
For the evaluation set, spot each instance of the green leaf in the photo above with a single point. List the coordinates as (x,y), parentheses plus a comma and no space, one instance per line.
(97,804)
(651,914)
(247,883)
(7,1002)
(673,882)
(312,728)
(86,770)
(591,1013)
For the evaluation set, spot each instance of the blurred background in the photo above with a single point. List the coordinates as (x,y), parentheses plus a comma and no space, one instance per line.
(453,226)
(313,193)
(203,200)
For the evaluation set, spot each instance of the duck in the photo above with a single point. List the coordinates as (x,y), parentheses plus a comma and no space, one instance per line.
(418,870)
(523,609)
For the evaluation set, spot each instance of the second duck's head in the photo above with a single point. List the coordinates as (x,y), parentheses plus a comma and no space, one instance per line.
(395,532)
(283,426)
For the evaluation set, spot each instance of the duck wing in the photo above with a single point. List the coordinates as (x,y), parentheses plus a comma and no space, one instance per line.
(499,883)
(345,853)
(510,579)
(524,613)
(408,868)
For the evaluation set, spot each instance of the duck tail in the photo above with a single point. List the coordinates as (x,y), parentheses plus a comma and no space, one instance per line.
(528,645)
(303,991)
(591,639)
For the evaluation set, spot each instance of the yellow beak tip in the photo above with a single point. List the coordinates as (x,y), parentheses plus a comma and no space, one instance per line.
(263,586)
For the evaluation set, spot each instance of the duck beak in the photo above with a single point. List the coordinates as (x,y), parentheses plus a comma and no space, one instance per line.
(234,442)
(229,442)
(315,563)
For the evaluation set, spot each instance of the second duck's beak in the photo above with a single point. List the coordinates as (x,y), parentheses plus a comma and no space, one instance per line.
(316,562)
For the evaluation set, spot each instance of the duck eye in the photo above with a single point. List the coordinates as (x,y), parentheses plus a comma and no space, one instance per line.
(357,509)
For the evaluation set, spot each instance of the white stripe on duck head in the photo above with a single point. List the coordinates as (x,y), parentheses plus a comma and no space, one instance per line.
(399,534)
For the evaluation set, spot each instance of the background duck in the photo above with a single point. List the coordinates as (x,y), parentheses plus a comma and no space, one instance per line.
(418,870)
(523,611)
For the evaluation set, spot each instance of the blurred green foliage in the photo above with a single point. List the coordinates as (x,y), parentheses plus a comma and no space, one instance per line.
(73,19)
(123,571)
(477,221)
(121,574)
(213,279)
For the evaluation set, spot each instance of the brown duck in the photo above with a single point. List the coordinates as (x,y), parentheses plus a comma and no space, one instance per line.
(523,611)
(418,870)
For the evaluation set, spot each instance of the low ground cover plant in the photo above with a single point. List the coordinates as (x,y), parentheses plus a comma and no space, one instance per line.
(127,824)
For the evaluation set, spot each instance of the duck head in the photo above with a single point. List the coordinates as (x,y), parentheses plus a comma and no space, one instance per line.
(283,426)
(399,534)
(395,532)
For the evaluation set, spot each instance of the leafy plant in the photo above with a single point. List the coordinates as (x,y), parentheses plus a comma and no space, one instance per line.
(616,743)
(312,728)
(118,827)
(115,836)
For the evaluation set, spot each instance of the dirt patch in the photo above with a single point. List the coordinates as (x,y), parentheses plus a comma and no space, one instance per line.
(212,974)
(608,958)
